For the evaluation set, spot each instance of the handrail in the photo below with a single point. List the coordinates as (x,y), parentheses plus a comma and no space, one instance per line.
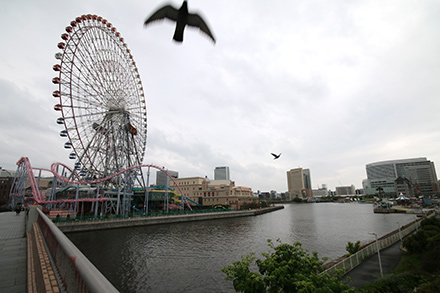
(352,261)
(76,271)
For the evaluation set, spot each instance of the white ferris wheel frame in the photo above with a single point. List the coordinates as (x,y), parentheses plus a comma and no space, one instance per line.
(101,99)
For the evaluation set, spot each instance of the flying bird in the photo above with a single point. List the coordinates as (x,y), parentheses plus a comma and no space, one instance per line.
(182,19)
(276,156)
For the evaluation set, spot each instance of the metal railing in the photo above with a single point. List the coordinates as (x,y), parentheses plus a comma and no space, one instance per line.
(350,262)
(77,273)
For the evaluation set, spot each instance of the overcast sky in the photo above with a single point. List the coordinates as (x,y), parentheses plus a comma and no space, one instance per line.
(332,85)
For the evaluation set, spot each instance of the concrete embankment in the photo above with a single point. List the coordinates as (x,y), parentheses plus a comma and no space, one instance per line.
(79,226)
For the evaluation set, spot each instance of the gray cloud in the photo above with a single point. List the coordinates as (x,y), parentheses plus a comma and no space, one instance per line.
(333,86)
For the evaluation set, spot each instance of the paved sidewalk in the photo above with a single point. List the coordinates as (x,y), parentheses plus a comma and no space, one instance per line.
(369,270)
(13,259)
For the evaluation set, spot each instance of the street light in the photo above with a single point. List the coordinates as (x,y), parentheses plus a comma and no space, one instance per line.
(378,253)
(417,227)
(400,235)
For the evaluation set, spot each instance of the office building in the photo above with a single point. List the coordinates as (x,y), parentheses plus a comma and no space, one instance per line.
(404,187)
(419,171)
(221,173)
(345,190)
(161,177)
(299,183)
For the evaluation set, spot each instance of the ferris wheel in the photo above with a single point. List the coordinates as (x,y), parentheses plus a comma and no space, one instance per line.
(101,99)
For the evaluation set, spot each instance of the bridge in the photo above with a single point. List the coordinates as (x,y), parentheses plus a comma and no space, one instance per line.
(33,245)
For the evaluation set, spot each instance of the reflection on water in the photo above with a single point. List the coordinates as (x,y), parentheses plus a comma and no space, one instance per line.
(187,257)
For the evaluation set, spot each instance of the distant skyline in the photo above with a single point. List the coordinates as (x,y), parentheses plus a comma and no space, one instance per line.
(332,85)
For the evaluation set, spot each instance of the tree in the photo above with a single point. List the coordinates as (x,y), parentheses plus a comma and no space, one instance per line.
(352,248)
(297,199)
(286,268)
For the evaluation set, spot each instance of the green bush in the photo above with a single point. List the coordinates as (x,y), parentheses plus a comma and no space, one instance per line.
(431,228)
(416,243)
(426,239)
(434,242)
(286,268)
(402,283)
(431,221)
(431,262)
(352,248)
(430,286)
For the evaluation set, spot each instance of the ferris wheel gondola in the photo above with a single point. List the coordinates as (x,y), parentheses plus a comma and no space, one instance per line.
(101,98)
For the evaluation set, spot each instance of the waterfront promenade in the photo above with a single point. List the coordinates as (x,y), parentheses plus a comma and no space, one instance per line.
(104,224)
(13,259)
(369,270)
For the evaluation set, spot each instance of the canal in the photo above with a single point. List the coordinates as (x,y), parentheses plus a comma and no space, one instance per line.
(188,257)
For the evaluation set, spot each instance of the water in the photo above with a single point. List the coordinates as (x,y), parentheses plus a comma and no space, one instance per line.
(188,257)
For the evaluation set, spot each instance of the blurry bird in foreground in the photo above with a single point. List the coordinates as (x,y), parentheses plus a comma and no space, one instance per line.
(276,156)
(182,18)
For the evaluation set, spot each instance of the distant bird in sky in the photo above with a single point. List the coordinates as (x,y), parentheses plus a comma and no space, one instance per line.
(182,19)
(276,156)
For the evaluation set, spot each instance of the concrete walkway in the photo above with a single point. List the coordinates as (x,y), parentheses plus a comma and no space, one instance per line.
(369,270)
(13,254)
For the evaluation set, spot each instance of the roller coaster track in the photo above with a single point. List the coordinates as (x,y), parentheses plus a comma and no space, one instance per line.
(24,166)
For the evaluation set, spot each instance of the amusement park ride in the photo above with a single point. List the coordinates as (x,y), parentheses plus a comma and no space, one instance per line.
(102,108)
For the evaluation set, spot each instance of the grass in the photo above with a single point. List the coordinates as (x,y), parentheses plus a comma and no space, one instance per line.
(408,263)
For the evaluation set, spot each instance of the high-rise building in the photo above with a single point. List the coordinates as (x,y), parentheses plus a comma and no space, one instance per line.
(299,183)
(419,171)
(161,177)
(221,173)
(307,180)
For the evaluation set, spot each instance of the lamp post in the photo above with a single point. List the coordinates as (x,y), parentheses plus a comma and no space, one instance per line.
(400,235)
(378,253)
(415,221)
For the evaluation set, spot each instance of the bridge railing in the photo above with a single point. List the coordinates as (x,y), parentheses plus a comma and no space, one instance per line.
(352,261)
(77,273)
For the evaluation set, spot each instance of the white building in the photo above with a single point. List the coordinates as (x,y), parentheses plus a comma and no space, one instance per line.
(419,171)
(320,192)
(345,190)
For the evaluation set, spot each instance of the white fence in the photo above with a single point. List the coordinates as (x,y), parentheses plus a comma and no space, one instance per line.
(352,261)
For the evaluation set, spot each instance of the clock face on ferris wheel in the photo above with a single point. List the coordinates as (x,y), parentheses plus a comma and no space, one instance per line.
(101,99)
